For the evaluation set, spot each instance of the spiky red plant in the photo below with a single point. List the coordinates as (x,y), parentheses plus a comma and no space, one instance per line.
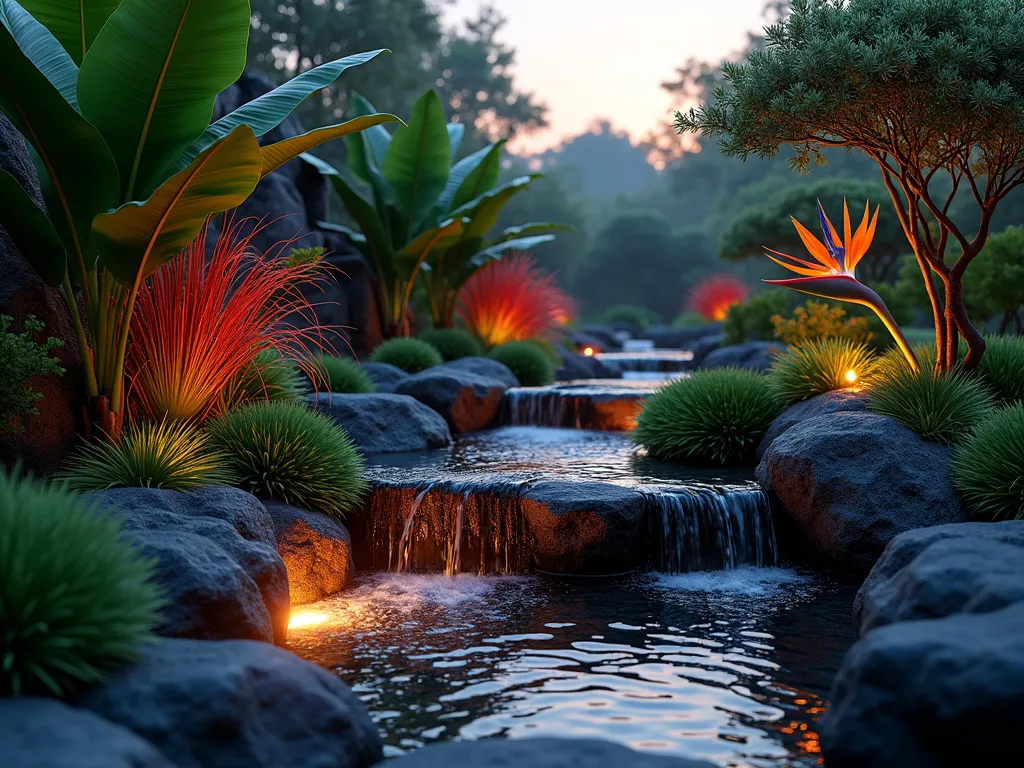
(711,298)
(199,322)
(511,300)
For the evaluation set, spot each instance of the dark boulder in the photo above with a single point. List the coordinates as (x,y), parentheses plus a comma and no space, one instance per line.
(665,337)
(704,346)
(317,550)
(237,704)
(966,568)
(484,366)
(603,334)
(822,405)
(385,376)
(576,367)
(385,423)
(467,400)
(849,483)
(45,733)
(938,693)
(754,355)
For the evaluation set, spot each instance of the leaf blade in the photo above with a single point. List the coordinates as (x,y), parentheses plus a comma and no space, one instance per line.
(74,23)
(276,155)
(30,229)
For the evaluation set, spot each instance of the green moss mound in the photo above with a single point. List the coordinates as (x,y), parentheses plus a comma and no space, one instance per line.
(716,417)
(411,355)
(345,376)
(819,366)
(76,598)
(1002,368)
(269,377)
(531,365)
(289,453)
(629,314)
(452,343)
(988,467)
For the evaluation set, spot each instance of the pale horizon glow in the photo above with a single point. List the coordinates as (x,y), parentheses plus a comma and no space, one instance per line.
(589,60)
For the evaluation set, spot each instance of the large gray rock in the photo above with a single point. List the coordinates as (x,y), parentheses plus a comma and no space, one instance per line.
(237,704)
(966,568)
(539,753)
(484,366)
(575,367)
(385,423)
(665,337)
(704,346)
(940,693)
(822,405)
(45,733)
(316,548)
(849,483)
(219,585)
(467,393)
(385,376)
(754,355)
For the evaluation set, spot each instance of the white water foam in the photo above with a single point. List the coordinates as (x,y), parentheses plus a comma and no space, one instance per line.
(744,582)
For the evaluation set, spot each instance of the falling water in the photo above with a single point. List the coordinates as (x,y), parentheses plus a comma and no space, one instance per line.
(606,406)
(661,360)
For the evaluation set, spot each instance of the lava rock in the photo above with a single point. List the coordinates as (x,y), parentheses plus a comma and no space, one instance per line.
(385,376)
(539,753)
(704,346)
(385,423)
(219,585)
(941,693)
(316,548)
(822,405)
(45,733)
(237,704)
(967,568)
(484,366)
(849,483)
(50,436)
(585,528)
(467,400)
(754,355)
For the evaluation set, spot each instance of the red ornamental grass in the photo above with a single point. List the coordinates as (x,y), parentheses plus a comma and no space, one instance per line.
(199,322)
(712,298)
(511,300)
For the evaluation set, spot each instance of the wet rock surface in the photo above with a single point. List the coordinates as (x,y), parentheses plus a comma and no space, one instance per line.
(753,355)
(467,393)
(383,423)
(385,376)
(317,550)
(822,405)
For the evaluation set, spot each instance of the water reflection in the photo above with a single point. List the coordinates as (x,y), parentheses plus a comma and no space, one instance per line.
(731,666)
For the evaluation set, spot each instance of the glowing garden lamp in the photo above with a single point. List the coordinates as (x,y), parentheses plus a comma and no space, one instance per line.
(588,351)
(851,377)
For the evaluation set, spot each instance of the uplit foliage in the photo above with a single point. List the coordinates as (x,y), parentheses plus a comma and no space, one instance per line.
(752,319)
(23,358)
(510,300)
(932,90)
(76,598)
(175,456)
(199,321)
(452,343)
(822,365)
(289,453)
(531,365)
(712,298)
(715,417)
(411,355)
(815,320)
(268,376)
(988,467)
(345,376)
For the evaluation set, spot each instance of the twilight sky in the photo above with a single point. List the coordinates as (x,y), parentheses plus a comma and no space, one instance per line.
(606,58)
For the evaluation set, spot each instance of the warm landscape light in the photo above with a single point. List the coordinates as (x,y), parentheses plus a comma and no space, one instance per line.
(588,351)
(306,619)
(851,376)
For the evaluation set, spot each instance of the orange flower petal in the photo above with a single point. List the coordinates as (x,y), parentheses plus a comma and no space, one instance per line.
(803,262)
(815,272)
(862,240)
(815,247)
(847,233)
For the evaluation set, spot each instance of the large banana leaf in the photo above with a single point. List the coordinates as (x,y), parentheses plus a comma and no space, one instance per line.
(471,177)
(456,132)
(368,148)
(443,236)
(485,209)
(276,155)
(417,162)
(79,173)
(41,48)
(268,111)
(30,229)
(151,76)
(137,238)
(526,230)
(75,23)
(498,249)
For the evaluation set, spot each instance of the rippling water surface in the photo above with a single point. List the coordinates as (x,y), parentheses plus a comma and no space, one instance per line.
(729,666)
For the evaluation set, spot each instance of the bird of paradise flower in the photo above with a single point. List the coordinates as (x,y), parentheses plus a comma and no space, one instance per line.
(831,274)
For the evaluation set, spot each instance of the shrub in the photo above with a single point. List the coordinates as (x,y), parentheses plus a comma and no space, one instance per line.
(452,343)
(172,455)
(942,408)
(815,367)
(712,298)
(752,320)
(268,376)
(988,467)
(289,453)
(715,417)
(819,320)
(22,359)
(528,362)
(633,316)
(1002,367)
(411,355)
(345,376)
(76,599)
(689,320)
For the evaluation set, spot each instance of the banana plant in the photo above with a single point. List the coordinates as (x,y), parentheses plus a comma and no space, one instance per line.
(422,215)
(114,99)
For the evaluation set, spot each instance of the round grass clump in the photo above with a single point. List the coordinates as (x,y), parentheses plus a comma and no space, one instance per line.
(941,408)
(345,376)
(636,317)
(268,377)
(452,343)
(76,598)
(715,417)
(988,467)
(531,364)
(819,366)
(411,355)
(1002,368)
(176,456)
(289,453)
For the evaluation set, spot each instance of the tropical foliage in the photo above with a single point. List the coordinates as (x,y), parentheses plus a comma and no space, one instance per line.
(531,365)
(819,320)
(753,319)
(988,467)
(23,358)
(452,343)
(115,100)
(822,365)
(411,355)
(269,376)
(711,298)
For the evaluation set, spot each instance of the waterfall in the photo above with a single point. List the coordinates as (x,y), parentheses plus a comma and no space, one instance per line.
(607,408)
